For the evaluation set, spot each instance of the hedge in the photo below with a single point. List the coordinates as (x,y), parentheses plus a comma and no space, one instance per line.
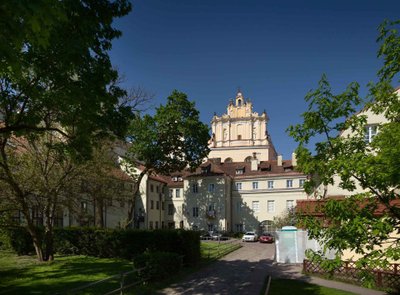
(110,243)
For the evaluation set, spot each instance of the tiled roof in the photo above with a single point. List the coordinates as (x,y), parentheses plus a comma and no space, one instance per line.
(265,168)
(315,207)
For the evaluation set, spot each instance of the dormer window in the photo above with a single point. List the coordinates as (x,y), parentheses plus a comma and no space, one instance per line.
(205,169)
(175,178)
(239,171)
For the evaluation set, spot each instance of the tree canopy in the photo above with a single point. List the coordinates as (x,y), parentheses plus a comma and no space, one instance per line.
(55,72)
(171,140)
(368,220)
(59,93)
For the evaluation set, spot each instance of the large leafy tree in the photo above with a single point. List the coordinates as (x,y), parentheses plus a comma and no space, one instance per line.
(368,171)
(171,140)
(56,79)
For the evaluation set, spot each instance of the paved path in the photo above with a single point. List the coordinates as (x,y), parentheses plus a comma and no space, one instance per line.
(244,271)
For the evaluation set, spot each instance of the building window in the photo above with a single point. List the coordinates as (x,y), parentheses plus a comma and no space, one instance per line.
(151,204)
(195,188)
(238,186)
(170,209)
(370,132)
(211,187)
(239,206)
(162,206)
(301,182)
(151,188)
(195,211)
(156,224)
(255,206)
(270,206)
(255,185)
(289,183)
(239,137)
(151,224)
(178,193)
(239,227)
(289,204)
(240,171)
(84,206)
(171,193)
(157,189)
(270,184)
(157,205)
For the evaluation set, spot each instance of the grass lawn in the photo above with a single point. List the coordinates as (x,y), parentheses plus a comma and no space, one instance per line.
(293,287)
(25,275)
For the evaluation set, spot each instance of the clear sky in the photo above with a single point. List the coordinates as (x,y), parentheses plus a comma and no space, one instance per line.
(275,51)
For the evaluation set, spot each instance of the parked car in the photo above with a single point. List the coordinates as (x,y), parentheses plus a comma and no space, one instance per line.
(250,236)
(216,235)
(205,236)
(266,238)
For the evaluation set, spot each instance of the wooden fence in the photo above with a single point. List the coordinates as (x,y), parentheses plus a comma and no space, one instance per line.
(383,278)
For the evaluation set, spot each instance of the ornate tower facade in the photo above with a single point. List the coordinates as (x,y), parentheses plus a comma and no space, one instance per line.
(241,134)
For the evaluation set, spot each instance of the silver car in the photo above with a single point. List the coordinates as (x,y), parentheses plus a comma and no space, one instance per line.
(250,236)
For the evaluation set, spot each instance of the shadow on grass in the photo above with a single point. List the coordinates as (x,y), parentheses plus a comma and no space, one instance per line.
(290,286)
(59,276)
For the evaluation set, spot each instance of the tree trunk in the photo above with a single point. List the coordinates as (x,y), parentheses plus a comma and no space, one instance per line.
(37,244)
(35,238)
(98,217)
(136,188)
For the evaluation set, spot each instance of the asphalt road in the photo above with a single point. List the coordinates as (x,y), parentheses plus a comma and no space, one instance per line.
(240,272)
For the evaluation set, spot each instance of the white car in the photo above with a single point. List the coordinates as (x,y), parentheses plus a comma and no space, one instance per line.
(250,236)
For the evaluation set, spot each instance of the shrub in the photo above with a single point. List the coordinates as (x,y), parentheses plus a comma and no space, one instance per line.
(20,240)
(158,265)
(127,244)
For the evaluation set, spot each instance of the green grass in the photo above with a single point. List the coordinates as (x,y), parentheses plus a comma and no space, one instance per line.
(286,286)
(213,250)
(25,275)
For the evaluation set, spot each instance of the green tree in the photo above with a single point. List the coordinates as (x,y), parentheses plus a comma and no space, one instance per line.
(56,79)
(171,140)
(103,182)
(351,161)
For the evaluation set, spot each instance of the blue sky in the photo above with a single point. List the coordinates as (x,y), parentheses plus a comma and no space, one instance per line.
(275,51)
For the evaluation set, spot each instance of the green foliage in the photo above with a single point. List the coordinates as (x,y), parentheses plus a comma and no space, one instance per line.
(55,72)
(286,218)
(172,139)
(19,239)
(368,172)
(158,265)
(109,243)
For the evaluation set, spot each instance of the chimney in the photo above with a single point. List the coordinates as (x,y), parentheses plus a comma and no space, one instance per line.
(254,163)
(294,159)
(279,160)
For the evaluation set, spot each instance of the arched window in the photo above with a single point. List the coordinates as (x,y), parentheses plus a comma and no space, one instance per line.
(239,102)
(228,160)
(248,159)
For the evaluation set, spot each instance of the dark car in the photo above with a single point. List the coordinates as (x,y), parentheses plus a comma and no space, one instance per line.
(266,238)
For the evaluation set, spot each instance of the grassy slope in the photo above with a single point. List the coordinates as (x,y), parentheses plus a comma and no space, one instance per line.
(284,286)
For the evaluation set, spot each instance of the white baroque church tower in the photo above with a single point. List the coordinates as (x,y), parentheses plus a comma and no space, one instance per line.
(241,134)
